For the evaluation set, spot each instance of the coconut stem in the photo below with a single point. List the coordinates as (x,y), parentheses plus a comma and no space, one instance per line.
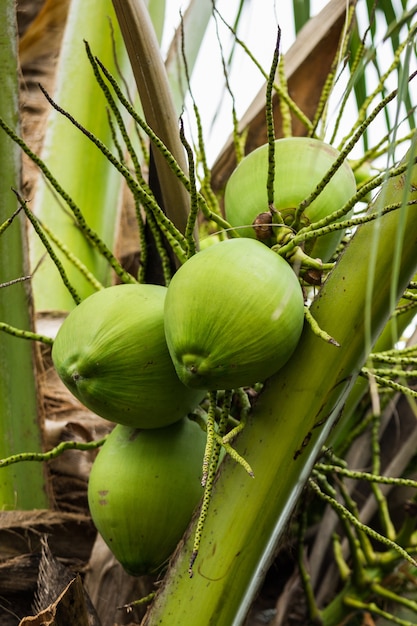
(317,330)
(214,445)
(270,123)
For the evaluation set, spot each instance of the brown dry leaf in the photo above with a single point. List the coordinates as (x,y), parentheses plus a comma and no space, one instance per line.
(69,608)
(21,532)
(44,32)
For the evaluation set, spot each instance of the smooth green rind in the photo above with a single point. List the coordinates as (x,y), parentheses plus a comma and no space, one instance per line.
(301,163)
(290,423)
(85,174)
(22,486)
(142,490)
(233,315)
(112,355)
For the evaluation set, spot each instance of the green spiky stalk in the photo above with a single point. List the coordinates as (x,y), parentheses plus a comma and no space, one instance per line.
(85,174)
(291,421)
(23,486)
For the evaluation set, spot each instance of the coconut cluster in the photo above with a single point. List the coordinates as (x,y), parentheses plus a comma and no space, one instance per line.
(144,356)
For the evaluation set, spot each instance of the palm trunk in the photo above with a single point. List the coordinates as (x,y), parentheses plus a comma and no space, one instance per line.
(21,486)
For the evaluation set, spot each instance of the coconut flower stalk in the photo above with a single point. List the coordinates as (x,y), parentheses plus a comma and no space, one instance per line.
(80,168)
(23,486)
(291,421)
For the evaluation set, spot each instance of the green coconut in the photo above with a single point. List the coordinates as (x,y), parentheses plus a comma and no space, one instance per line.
(300,165)
(112,355)
(143,488)
(233,315)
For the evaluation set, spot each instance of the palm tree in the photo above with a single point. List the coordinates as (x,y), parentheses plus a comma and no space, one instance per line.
(327,413)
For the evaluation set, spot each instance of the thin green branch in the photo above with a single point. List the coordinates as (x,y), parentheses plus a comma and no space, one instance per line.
(239,153)
(54,258)
(387,382)
(69,255)
(270,130)
(38,229)
(238,458)
(391,596)
(53,453)
(380,148)
(281,92)
(313,610)
(144,600)
(409,295)
(244,412)
(114,109)
(393,360)
(391,372)
(89,232)
(363,111)
(355,540)
(382,504)
(193,214)
(173,235)
(396,352)
(9,220)
(367,551)
(162,252)
(331,76)
(373,608)
(372,478)
(213,462)
(128,143)
(160,146)
(326,225)
(317,330)
(343,154)
(344,513)
(145,127)
(286,120)
(344,570)
(210,429)
(404,309)
(25,334)
(206,188)
(354,71)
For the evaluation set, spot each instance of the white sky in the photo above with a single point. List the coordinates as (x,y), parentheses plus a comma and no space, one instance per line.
(258,29)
